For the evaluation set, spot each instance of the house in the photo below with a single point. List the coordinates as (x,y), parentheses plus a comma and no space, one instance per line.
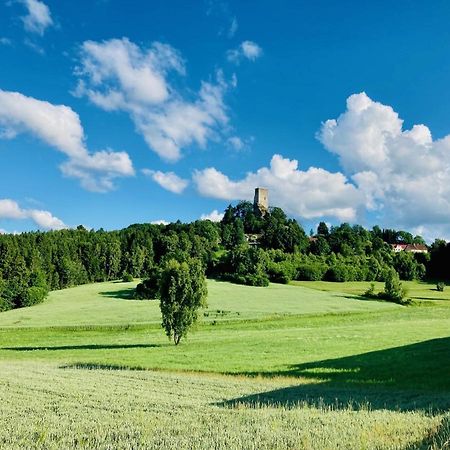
(413,248)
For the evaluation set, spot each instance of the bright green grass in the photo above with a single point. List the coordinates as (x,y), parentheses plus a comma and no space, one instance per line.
(110,304)
(44,407)
(419,291)
(307,351)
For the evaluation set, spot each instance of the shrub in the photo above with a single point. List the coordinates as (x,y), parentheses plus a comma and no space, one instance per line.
(5,304)
(33,296)
(127,277)
(149,288)
(370,293)
(440,286)
(281,272)
(337,273)
(393,288)
(310,272)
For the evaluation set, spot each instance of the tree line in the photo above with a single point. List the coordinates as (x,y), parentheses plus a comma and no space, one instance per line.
(244,247)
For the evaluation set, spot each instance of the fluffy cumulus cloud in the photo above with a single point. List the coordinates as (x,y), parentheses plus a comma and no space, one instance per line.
(248,49)
(309,194)
(167,180)
(213,216)
(119,75)
(9,209)
(38,17)
(403,174)
(60,127)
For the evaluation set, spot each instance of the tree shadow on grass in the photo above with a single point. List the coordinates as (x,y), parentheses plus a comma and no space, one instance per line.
(82,347)
(411,377)
(362,298)
(122,294)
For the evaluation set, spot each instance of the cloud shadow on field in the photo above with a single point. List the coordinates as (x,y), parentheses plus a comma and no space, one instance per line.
(410,377)
(82,347)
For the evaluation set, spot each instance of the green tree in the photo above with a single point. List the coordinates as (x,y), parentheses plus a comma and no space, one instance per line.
(322,229)
(393,289)
(182,292)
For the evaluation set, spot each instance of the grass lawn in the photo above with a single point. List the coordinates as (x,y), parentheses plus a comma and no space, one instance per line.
(419,291)
(111,304)
(318,368)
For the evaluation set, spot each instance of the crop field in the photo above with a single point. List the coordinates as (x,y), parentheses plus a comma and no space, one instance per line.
(311,366)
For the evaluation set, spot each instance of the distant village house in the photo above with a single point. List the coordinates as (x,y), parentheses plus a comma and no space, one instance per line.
(413,248)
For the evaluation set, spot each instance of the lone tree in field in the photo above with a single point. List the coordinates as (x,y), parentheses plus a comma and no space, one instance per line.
(182,292)
(393,288)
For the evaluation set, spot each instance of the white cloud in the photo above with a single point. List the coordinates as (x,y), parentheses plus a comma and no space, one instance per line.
(167,180)
(38,17)
(233,27)
(160,222)
(60,127)
(45,220)
(247,49)
(236,143)
(308,194)
(213,216)
(404,174)
(5,41)
(9,209)
(118,75)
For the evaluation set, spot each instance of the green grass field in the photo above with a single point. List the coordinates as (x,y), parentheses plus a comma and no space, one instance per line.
(307,366)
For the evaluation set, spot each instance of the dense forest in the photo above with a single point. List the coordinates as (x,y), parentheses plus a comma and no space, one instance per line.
(245,247)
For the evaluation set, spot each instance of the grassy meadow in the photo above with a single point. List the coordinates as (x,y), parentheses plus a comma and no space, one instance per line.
(310,365)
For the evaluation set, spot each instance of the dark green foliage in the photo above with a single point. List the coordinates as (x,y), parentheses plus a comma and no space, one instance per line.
(440,286)
(281,272)
(319,246)
(393,288)
(370,292)
(34,295)
(182,292)
(311,272)
(281,233)
(322,229)
(338,273)
(127,277)
(407,266)
(247,265)
(277,249)
(149,288)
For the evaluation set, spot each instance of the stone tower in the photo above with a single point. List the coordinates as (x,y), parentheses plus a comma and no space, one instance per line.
(261,201)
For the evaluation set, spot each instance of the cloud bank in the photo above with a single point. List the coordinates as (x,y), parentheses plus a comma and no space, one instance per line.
(403,174)
(309,194)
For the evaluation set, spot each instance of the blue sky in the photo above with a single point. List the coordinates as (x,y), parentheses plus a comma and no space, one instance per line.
(117,112)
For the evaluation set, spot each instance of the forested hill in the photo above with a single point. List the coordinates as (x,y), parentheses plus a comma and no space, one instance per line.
(33,263)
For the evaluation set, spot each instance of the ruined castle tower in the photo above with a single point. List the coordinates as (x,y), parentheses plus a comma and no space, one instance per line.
(261,201)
